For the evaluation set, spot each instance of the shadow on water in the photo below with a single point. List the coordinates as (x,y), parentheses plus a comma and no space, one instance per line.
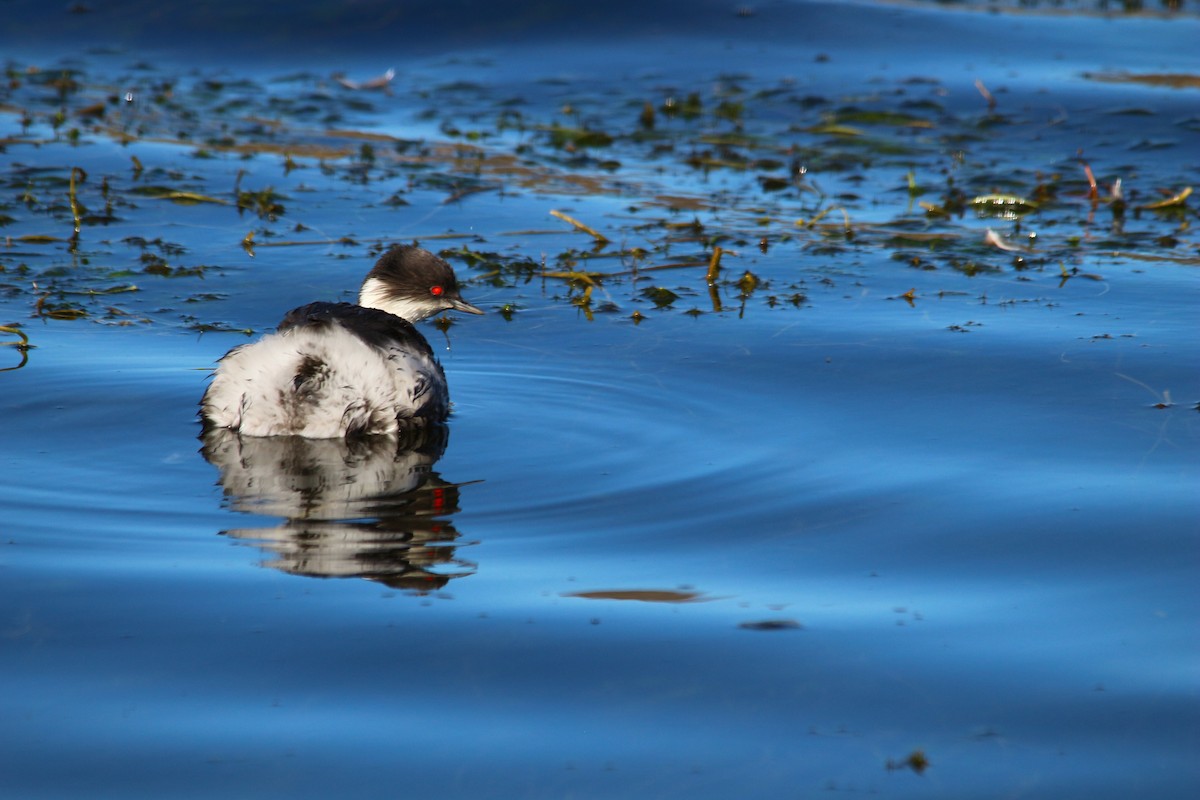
(369,507)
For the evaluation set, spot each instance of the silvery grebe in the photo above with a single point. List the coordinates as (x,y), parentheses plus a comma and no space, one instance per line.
(339,369)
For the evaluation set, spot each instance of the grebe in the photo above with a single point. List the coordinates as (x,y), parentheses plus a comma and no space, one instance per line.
(339,369)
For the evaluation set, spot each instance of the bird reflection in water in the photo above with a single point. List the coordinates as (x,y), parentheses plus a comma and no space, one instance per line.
(369,507)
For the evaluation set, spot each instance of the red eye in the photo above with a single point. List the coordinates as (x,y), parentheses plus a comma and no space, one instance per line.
(436,291)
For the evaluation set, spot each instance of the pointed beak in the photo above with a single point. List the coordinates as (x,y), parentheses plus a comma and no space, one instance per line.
(458,304)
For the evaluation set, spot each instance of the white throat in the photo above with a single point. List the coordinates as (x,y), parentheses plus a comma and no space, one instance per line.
(374,295)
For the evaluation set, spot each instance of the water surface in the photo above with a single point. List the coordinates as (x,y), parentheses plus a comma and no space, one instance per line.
(904,513)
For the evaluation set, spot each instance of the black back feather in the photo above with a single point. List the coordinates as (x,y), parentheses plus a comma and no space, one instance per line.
(376,328)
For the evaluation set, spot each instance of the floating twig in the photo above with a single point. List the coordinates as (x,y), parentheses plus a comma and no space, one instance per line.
(597,235)
(812,223)
(24,343)
(714,266)
(76,215)
(587,278)
(1171,202)
(1093,191)
(379,82)
(983,90)
(23,347)
(177,195)
(993,238)
(129,287)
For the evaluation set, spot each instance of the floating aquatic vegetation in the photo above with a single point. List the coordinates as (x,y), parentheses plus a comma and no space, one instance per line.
(58,310)
(748,283)
(264,202)
(1175,201)
(660,296)
(22,345)
(571,138)
(1169,80)
(916,761)
(705,173)
(180,196)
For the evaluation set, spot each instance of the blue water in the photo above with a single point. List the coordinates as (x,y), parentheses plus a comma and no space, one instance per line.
(767,551)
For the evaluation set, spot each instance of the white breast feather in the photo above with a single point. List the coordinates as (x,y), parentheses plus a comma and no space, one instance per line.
(360,387)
